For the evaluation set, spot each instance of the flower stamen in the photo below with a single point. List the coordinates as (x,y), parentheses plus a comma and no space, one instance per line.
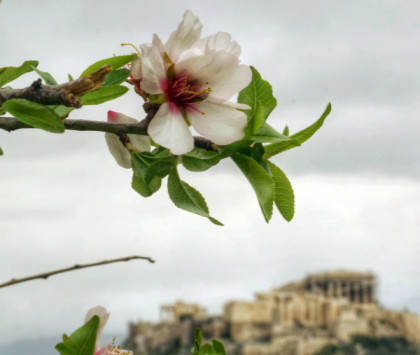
(131,45)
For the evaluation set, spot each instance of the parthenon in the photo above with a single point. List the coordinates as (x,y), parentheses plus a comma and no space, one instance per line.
(297,318)
(356,287)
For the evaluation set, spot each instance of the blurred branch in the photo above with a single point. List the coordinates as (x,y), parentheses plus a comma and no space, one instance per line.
(46,275)
(64,94)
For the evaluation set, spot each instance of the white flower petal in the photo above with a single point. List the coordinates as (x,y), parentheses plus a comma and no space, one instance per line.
(235,105)
(221,70)
(117,149)
(103,315)
(221,41)
(221,123)
(158,43)
(187,33)
(169,130)
(153,70)
(136,68)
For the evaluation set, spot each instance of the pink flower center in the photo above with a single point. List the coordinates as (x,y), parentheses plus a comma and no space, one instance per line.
(183,92)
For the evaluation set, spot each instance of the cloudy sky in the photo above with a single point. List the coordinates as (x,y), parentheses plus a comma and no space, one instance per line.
(65,201)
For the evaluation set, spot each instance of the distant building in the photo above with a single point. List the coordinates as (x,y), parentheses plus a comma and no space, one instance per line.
(298,318)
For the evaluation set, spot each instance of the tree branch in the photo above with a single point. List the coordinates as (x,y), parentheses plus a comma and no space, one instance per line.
(45,275)
(120,129)
(64,94)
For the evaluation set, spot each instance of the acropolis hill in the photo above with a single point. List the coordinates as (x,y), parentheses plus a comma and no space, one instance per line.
(298,318)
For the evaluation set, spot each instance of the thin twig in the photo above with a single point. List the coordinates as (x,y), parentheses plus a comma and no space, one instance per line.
(46,275)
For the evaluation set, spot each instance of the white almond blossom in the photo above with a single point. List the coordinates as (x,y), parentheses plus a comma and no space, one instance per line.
(193,78)
(108,348)
(117,149)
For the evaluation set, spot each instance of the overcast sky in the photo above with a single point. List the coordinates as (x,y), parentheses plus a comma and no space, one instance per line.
(65,201)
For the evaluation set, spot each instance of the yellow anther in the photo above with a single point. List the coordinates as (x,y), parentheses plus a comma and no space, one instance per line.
(131,45)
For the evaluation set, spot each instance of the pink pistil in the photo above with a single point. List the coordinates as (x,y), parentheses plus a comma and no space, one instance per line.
(182,92)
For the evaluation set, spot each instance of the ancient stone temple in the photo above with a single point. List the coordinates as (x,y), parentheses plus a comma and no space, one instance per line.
(298,318)
(354,286)
(180,311)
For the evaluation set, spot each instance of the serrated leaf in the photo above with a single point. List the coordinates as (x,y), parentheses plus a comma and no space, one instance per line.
(11,73)
(35,114)
(258,90)
(103,94)
(115,62)
(144,188)
(267,134)
(256,152)
(81,341)
(284,197)
(228,150)
(47,77)
(186,197)
(160,168)
(260,180)
(116,77)
(200,159)
(141,183)
(301,136)
(255,121)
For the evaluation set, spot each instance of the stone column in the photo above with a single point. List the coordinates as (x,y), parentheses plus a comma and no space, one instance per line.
(356,292)
(339,289)
(282,307)
(330,289)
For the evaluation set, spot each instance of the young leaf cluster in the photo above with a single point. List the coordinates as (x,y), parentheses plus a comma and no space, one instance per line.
(81,341)
(215,348)
(251,155)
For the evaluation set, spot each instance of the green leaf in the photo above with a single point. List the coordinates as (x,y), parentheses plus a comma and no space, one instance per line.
(286,130)
(62,111)
(1,151)
(114,62)
(187,198)
(234,147)
(255,121)
(143,184)
(301,136)
(198,339)
(258,90)
(116,77)
(144,188)
(260,180)
(81,341)
(9,74)
(267,134)
(284,197)
(47,77)
(200,159)
(256,152)
(70,77)
(219,347)
(103,94)
(35,114)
